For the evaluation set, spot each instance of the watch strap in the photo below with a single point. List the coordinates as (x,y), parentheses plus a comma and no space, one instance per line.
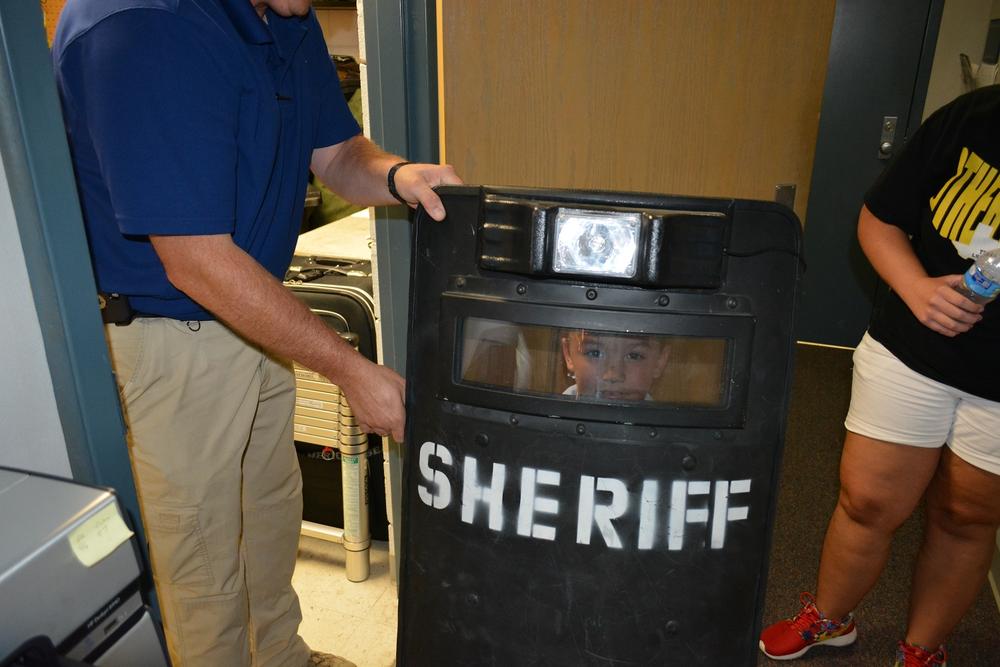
(390,180)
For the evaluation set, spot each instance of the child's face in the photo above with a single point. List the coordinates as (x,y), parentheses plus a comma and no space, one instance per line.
(613,367)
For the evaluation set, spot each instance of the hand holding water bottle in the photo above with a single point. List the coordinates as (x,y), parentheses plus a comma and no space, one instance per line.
(981,283)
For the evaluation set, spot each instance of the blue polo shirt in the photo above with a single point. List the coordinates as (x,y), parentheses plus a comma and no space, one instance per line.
(189,117)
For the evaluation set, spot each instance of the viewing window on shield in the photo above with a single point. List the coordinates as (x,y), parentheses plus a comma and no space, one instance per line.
(594,365)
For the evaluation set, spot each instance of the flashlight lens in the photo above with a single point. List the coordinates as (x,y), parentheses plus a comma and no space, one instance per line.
(603,243)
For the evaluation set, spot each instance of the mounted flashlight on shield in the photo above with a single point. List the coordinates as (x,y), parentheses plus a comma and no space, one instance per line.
(597,386)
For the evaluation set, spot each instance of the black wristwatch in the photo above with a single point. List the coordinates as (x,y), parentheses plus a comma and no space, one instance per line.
(391,182)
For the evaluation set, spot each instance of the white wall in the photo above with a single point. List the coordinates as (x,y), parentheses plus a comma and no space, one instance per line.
(964,24)
(31,436)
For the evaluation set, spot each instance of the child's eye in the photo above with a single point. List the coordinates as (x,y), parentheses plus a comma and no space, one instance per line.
(635,356)
(593,353)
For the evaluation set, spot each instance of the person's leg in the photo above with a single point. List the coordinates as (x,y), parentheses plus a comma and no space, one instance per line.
(272,510)
(189,397)
(881,484)
(896,425)
(963,513)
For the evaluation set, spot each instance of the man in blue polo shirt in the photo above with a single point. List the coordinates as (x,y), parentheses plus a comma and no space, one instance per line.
(193,126)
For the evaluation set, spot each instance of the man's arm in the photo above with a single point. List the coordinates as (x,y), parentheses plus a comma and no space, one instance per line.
(356,170)
(932,300)
(222,278)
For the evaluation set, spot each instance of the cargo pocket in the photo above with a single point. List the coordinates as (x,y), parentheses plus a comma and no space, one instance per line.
(178,547)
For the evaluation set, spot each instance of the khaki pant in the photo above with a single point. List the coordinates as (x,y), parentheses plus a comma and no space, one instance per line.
(210,434)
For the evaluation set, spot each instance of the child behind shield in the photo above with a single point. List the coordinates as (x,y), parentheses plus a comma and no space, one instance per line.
(612,366)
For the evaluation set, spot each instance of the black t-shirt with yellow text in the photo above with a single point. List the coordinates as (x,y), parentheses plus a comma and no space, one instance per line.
(943,190)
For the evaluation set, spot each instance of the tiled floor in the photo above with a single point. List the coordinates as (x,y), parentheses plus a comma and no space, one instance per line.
(356,621)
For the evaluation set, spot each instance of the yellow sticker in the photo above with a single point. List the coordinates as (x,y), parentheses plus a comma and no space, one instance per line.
(99,535)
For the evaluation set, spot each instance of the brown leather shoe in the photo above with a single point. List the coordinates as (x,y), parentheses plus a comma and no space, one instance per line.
(320,659)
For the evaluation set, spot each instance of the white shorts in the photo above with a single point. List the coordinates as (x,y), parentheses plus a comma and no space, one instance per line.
(891,402)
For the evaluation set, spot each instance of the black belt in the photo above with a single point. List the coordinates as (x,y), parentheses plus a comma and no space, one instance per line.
(116,309)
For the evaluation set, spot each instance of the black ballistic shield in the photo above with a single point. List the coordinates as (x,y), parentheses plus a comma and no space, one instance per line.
(597,386)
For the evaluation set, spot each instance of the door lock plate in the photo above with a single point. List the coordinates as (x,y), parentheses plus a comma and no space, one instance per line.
(887,144)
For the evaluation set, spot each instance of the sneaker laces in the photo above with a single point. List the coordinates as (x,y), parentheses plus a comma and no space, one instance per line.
(810,622)
(808,616)
(918,656)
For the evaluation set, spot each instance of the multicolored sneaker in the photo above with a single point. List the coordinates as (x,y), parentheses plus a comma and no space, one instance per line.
(911,655)
(792,637)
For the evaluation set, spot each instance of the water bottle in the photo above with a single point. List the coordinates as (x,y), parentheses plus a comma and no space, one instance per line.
(981,283)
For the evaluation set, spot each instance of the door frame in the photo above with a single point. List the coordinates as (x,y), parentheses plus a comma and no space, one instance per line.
(400,55)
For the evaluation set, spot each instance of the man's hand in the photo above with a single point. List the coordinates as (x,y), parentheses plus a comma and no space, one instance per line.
(938,306)
(213,271)
(414,183)
(376,395)
(358,170)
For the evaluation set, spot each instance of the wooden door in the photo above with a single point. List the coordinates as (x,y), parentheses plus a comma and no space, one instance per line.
(686,97)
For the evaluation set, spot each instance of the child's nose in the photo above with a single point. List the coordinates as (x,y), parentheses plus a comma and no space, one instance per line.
(614,371)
